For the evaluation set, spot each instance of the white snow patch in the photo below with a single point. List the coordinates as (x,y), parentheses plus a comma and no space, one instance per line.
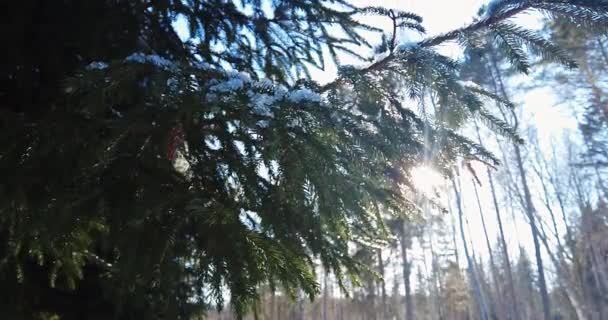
(240,146)
(181,164)
(295,123)
(97,65)
(250,219)
(261,103)
(245,77)
(407,46)
(381,56)
(469,84)
(202,65)
(262,123)
(265,84)
(268,172)
(304,95)
(116,112)
(213,143)
(232,84)
(152,59)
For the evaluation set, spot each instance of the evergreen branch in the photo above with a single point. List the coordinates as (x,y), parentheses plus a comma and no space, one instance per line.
(413,26)
(590,14)
(434,41)
(498,6)
(469,147)
(499,125)
(391,13)
(482,92)
(408,15)
(512,46)
(536,43)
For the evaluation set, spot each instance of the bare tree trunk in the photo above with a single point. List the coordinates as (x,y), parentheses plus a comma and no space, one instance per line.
(529,206)
(301,309)
(383,311)
(340,307)
(600,182)
(426,308)
(603,52)
(493,269)
(272,304)
(600,278)
(477,266)
(435,276)
(454,242)
(596,270)
(483,311)
(531,217)
(505,251)
(564,282)
(325,294)
(540,172)
(279,310)
(407,268)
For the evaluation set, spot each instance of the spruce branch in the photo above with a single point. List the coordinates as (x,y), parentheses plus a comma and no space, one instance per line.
(434,41)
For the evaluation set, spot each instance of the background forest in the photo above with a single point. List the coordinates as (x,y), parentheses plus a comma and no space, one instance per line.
(303,159)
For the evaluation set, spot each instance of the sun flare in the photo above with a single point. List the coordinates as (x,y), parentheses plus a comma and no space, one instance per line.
(426,179)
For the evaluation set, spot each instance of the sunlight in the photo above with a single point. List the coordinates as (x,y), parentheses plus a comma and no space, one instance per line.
(426,179)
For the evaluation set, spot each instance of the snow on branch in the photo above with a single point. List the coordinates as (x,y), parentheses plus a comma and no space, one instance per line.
(262,95)
(304,95)
(469,84)
(152,59)
(97,65)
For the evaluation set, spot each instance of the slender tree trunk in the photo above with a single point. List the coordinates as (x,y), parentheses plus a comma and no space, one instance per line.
(529,206)
(505,251)
(340,306)
(493,269)
(435,276)
(483,311)
(426,308)
(564,282)
(596,270)
(301,309)
(478,265)
(272,304)
(279,310)
(600,182)
(325,295)
(405,240)
(454,242)
(383,311)
(540,172)
(600,45)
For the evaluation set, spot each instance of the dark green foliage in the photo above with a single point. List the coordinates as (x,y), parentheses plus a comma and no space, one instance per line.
(142,177)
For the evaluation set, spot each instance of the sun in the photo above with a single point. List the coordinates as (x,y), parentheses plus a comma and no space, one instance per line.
(426,179)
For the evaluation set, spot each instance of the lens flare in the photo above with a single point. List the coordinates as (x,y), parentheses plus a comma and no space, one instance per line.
(426,179)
